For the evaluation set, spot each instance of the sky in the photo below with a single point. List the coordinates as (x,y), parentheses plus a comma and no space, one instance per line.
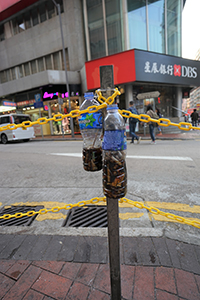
(191,29)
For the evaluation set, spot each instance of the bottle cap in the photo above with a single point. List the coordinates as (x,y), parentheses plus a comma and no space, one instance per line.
(112,106)
(89,95)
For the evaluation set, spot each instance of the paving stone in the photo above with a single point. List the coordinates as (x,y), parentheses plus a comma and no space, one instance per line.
(40,247)
(162,251)
(5,265)
(68,249)
(26,247)
(21,287)
(52,266)
(17,269)
(173,248)
(197,251)
(70,270)
(5,285)
(33,295)
(92,249)
(144,283)
(186,285)
(127,280)
(12,246)
(78,291)
(161,295)
(147,252)
(5,239)
(94,295)
(197,278)
(53,248)
(188,258)
(87,273)
(52,285)
(164,279)
(131,251)
(102,280)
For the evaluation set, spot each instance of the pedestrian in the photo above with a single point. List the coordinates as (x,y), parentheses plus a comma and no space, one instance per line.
(152,114)
(194,117)
(132,123)
(160,116)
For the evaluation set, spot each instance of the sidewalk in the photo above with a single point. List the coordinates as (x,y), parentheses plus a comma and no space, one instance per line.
(183,135)
(76,267)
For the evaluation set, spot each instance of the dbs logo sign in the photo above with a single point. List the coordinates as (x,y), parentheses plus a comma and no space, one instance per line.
(185,71)
(177,70)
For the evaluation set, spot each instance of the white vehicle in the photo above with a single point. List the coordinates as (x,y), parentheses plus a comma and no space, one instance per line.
(21,133)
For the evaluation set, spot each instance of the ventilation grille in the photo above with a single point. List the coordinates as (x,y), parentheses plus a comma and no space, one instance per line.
(87,216)
(24,221)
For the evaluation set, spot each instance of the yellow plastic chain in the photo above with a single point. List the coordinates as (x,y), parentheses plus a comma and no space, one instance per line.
(94,108)
(137,204)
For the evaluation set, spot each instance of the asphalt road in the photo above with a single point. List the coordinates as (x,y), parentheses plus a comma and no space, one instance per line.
(50,173)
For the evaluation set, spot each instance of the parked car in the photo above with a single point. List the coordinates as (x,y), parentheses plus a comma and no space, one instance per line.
(21,133)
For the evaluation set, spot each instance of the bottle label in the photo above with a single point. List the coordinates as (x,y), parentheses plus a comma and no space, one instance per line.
(90,121)
(114,140)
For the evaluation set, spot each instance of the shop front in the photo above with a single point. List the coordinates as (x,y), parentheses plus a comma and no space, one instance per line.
(7,107)
(148,78)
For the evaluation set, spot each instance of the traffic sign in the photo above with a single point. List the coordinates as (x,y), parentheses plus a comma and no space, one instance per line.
(37,98)
(38,104)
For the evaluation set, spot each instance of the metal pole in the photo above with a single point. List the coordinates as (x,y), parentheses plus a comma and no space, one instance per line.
(60,109)
(114,250)
(65,63)
(41,125)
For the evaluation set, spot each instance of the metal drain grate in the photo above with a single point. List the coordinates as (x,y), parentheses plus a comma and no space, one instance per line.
(87,216)
(24,221)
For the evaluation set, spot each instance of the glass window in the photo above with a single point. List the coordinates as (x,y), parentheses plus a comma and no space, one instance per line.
(15,26)
(67,60)
(42,12)
(2,36)
(48,62)
(7,30)
(27,69)
(40,64)
(156,25)
(3,77)
(174,27)
(20,71)
(34,14)
(5,120)
(51,9)
(20,23)
(33,67)
(113,21)
(137,24)
(8,75)
(56,61)
(27,20)
(61,5)
(13,72)
(96,28)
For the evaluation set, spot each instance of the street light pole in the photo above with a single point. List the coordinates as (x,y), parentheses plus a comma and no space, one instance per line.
(65,63)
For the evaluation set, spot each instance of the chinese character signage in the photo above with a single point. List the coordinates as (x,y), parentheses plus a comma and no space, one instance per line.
(9,103)
(153,67)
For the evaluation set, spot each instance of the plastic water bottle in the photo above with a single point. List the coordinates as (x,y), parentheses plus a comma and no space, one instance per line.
(90,125)
(114,154)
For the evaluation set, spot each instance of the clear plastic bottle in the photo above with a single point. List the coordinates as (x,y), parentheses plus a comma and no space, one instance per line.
(114,154)
(91,130)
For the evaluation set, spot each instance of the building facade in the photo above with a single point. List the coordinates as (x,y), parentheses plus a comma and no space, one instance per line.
(32,58)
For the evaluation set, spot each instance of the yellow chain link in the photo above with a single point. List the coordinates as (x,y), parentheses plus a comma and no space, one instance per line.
(96,200)
(94,108)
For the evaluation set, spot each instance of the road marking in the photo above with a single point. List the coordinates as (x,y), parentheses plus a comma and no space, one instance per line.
(133,156)
(160,157)
(67,154)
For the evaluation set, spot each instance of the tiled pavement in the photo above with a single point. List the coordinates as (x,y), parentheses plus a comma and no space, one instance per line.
(76,267)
